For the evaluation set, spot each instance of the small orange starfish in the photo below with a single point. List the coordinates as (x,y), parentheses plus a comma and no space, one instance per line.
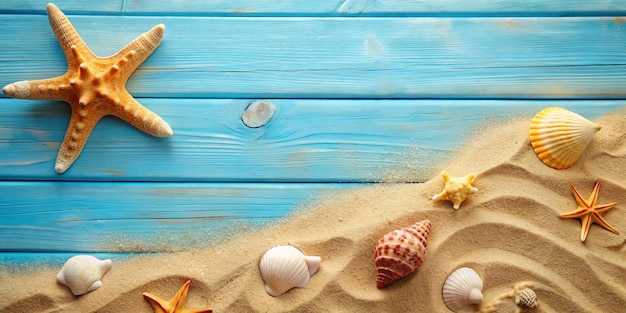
(589,212)
(93,86)
(175,305)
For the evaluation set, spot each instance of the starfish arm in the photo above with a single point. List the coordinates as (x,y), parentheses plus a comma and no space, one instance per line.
(182,296)
(586,223)
(457,204)
(157,303)
(441,196)
(139,116)
(76,136)
(600,220)
(604,207)
(160,305)
(138,50)
(65,32)
(44,89)
(575,214)
(593,198)
(579,198)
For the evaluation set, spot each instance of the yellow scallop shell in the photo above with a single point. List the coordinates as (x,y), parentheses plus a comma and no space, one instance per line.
(559,136)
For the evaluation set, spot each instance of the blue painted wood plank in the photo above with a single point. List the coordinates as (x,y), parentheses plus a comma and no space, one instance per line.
(381,7)
(139,217)
(329,7)
(306,141)
(530,58)
(68,6)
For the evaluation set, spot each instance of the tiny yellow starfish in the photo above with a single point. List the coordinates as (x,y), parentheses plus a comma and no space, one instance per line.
(589,212)
(456,189)
(93,86)
(175,305)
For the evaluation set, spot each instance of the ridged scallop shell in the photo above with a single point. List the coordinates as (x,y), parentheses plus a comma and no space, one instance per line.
(559,136)
(400,252)
(285,267)
(526,297)
(82,273)
(462,288)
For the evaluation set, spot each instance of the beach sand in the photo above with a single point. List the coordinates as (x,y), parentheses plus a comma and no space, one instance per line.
(509,232)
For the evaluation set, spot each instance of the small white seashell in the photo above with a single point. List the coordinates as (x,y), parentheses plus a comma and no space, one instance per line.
(462,288)
(526,297)
(285,267)
(82,273)
(258,114)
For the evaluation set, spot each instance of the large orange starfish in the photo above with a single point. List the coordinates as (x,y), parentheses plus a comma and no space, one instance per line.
(93,86)
(589,212)
(175,305)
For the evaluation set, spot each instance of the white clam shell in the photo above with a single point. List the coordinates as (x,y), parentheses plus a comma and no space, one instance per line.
(285,267)
(82,273)
(462,288)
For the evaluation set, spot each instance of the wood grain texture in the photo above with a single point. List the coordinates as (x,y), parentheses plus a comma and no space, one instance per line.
(365,91)
(306,140)
(218,57)
(68,6)
(139,217)
(328,7)
(380,7)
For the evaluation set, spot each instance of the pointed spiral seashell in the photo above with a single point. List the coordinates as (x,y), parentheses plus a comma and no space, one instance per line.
(462,288)
(285,267)
(82,273)
(526,297)
(559,136)
(400,252)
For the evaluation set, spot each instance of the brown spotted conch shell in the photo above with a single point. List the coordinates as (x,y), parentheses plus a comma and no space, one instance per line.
(401,252)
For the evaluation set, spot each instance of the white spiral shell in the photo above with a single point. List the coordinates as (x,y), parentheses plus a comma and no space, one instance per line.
(82,273)
(462,288)
(526,297)
(285,267)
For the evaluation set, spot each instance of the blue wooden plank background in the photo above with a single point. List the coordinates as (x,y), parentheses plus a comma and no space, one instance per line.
(314,140)
(366,91)
(222,57)
(109,216)
(330,7)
